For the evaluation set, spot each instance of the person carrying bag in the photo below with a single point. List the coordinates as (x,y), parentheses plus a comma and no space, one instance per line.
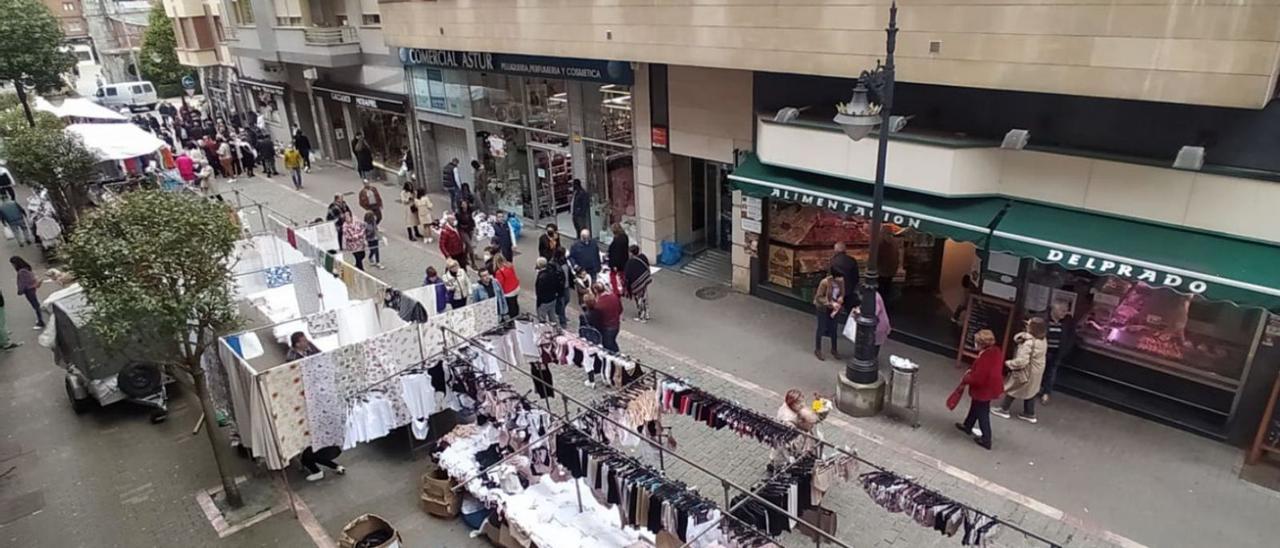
(1025,370)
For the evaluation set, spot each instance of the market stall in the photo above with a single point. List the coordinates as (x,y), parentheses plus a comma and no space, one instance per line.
(525,471)
(79,110)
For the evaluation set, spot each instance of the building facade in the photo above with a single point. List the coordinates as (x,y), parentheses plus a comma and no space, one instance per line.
(70,16)
(1159,265)
(116,29)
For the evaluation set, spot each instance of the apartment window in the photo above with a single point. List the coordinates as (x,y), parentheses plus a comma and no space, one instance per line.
(243,11)
(288,21)
(217,27)
(371,19)
(68,6)
(369,14)
(179,34)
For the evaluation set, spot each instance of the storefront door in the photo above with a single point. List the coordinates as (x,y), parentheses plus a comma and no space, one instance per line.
(341,135)
(552,190)
(711,200)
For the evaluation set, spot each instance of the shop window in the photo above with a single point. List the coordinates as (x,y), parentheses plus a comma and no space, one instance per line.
(547,105)
(1182,335)
(385,133)
(265,103)
(505,157)
(497,97)
(439,90)
(606,112)
(611,181)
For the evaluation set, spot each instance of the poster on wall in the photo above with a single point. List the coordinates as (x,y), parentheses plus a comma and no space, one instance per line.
(1038,297)
(781,262)
(1067,298)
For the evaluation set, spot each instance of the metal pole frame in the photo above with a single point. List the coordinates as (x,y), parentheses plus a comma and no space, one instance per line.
(725,481)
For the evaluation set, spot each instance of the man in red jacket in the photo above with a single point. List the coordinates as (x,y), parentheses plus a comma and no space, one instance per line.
(985,380)
(451,244)
(608,316)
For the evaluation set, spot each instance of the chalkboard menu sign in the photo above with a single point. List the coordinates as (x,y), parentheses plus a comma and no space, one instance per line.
(985,313)
(1268,437)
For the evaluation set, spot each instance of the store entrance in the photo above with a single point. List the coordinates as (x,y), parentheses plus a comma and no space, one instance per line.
(552,185)
(712,206)
(341,137)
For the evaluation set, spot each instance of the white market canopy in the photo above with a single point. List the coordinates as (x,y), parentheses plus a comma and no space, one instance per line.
(116,141)
(79,107)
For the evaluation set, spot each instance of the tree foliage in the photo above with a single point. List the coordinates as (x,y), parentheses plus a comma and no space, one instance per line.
(159,58)
(154,265)
(157,262)
(13,120)
(48,158)
(31,49)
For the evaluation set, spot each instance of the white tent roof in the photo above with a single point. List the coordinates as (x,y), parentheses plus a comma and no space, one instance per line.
(116,141)
(78,107)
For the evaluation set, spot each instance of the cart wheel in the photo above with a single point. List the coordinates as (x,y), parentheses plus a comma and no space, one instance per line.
(159,417)
(79,406)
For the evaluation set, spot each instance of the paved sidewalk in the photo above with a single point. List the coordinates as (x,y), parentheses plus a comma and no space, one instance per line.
(1085,475)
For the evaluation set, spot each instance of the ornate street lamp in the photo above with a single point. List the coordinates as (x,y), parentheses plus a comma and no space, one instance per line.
(861,390)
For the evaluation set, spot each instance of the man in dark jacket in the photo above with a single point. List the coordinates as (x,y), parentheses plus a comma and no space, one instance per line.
(547,288)
(266,150)
(502,236)
(585,254)
(1061,339)
(338,209)
(303,144)
(618,256)
(580,207)
(848,268)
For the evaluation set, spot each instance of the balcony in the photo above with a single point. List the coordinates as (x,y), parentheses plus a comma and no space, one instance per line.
(198,58)
(330,36)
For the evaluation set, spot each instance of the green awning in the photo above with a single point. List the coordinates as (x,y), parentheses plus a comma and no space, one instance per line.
(1186,260)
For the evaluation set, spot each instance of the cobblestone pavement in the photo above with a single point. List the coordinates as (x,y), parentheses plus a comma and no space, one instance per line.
(1084,476)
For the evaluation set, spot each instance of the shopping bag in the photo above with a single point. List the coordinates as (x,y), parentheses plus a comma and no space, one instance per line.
(8,234)
(954,399)
(851,328)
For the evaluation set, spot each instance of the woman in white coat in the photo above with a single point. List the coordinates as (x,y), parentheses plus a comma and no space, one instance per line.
(426,216)
(1025,370)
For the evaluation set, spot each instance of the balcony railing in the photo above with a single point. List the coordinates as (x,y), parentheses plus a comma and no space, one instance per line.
(330,36)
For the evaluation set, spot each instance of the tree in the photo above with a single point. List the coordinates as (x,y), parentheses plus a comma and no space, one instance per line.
(31,50)
(155,262)
(46,157)
(159,58)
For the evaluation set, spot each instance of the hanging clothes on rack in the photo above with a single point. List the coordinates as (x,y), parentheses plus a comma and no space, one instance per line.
(681,398)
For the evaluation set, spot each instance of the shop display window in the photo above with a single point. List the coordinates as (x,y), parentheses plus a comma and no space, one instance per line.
(1183,335)
(505,156)
(606,112)
(547,105)
(386,135)
(440,90)
(611,181)
(497,97)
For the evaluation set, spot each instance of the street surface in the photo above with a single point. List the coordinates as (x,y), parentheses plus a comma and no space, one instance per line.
(1084,476)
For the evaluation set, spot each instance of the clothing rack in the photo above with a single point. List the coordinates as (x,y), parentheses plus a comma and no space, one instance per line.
(823,443)
(728,484)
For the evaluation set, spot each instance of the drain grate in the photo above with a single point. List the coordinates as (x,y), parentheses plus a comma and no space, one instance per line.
(711,293)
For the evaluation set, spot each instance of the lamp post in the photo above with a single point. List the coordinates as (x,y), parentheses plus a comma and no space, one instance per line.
(861,390)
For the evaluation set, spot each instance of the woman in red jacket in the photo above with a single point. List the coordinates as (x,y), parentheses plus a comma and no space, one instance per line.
(985,379)
(505,274)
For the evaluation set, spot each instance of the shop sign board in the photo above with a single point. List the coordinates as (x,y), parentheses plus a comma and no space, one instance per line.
(658,135)
(843,206)
(1121,269)
(567,68)
(366,102)
(751,225)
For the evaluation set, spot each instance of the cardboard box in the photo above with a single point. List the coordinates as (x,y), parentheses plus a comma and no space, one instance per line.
(441,508)
(363,526)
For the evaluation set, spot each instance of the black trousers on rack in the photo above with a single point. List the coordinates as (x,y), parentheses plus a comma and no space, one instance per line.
(542,381)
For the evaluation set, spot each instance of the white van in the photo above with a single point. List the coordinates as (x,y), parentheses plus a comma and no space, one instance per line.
(127,94)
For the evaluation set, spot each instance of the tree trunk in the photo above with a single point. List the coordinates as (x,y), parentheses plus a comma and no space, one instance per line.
(22,98)
(210,426)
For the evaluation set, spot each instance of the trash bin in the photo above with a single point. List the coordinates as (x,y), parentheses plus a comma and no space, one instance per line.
(903,393)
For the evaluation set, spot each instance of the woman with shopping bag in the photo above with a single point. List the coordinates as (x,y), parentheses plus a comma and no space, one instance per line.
(985,380)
